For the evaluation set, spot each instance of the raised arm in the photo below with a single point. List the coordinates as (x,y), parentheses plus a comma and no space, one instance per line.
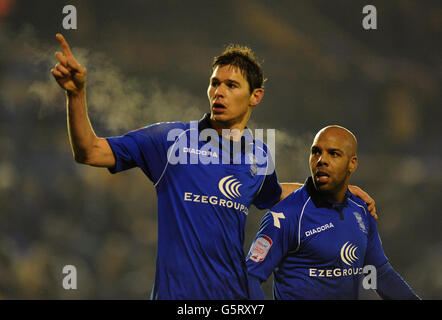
(87,148)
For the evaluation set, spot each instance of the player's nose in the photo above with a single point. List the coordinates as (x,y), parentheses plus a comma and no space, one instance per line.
(322,161)
(219,91)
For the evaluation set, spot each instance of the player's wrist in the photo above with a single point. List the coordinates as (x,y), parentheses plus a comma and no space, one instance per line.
(81,92)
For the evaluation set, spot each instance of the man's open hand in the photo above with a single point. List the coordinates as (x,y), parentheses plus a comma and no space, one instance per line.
(68,73)
(367,199)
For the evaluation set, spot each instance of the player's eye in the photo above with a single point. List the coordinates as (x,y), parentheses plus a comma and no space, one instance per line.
(214,83)
(316,151)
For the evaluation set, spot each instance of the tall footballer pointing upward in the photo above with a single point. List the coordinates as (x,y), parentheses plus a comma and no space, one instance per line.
(200,234)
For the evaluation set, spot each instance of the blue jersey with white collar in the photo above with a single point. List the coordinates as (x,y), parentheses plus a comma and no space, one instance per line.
(202,204)
(316,249)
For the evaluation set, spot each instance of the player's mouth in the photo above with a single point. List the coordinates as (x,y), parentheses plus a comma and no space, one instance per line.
(322,177)
(218,107)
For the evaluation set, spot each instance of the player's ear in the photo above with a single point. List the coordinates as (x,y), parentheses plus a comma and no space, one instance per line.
(353,164)
(256,96)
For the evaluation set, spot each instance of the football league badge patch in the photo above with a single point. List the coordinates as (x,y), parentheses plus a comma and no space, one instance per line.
(260,248)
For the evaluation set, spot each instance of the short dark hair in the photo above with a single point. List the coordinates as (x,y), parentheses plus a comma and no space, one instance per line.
(242,57)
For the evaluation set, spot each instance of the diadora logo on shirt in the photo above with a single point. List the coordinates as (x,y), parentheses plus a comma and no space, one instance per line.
(192,146)
(348,253)
(200,152)
(229,186)
(319,229)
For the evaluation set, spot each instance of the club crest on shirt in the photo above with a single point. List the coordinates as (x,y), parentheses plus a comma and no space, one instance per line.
(360,222)
(260,248)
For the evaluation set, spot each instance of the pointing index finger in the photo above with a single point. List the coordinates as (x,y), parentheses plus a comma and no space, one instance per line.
(64,45)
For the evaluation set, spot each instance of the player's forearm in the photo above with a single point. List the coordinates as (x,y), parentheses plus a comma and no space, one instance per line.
(255,290)
(390,285)
(81,135)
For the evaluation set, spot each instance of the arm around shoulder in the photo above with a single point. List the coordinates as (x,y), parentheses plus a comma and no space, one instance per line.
(288,188)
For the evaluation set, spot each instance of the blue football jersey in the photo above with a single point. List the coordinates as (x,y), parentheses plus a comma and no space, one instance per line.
(316,249)
(205,186)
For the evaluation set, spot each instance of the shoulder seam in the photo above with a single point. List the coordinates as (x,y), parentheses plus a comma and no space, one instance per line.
(168,156)
(359,205)
(267,166)
(299,223)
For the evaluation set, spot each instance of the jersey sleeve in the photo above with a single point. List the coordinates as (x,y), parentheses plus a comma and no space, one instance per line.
(145,148)
(374,254)
(276,236)
(390,285)
(270,191)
